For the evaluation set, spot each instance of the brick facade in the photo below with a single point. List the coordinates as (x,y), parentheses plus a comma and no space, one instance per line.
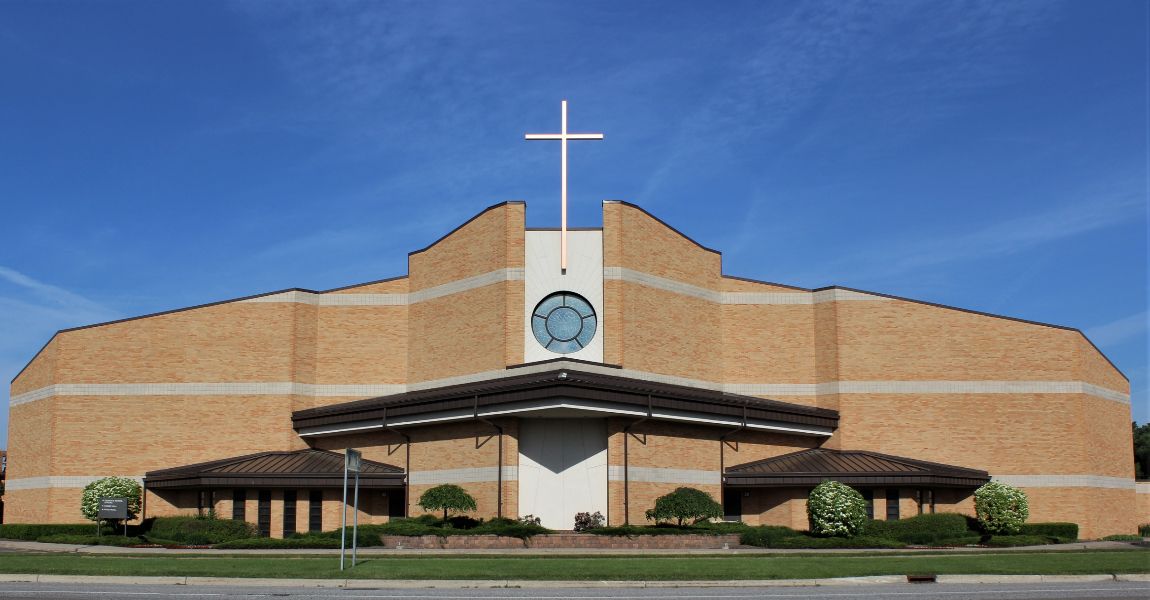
(1031,402)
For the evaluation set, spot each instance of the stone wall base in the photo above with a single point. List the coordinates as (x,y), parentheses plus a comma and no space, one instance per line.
(562,540)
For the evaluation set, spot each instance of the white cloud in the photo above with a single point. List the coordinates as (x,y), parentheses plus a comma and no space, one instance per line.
(1119,331)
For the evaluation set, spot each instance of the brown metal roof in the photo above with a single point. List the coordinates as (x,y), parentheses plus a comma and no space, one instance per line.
(302,468)
(853,467)
(565,383)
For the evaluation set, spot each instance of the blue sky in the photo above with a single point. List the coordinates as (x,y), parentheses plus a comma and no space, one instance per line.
(986,155)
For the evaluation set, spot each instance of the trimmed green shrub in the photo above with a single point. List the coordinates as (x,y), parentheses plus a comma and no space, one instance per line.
(685,504)
(200,531)
(110,487)
(1122,537)
(820,543)
(260,543)
(447,497)
(30,532)
(767,536)
(1008,541)
(836,509)
(1063,532)
(922,529)
(1001,509)
(91,540)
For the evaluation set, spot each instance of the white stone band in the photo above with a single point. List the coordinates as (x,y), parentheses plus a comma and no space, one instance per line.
(1066,481)
(1142,487)
(473,475)
(446,289)
(750,389)
(58,482)
(686,289)
(664,475)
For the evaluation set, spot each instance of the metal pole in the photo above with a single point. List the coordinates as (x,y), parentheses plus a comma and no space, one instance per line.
(343,520)
(355,521)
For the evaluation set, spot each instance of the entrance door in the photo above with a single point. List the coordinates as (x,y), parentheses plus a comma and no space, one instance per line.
(562,469)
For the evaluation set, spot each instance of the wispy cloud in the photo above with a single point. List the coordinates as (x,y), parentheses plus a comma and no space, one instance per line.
(57,298)
(1120,330)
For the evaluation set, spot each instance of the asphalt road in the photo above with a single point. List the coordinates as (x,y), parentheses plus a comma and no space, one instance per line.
(1059,591)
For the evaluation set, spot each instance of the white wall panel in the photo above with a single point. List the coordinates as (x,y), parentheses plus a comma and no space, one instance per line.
(542,277)
(562,469)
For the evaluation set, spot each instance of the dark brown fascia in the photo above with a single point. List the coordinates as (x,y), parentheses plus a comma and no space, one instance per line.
(366,480)
(573,384)
(855,480)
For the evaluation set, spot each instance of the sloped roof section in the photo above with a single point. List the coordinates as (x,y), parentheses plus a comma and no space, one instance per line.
(302,468)
(563,384)
(852,467)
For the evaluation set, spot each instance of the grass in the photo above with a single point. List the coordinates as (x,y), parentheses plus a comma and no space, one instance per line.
(617,568)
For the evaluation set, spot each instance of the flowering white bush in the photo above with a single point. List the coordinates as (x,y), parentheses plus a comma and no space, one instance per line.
(110,487)
(1001,508)
(836,509)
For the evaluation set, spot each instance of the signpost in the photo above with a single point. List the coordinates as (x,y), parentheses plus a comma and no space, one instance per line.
(352,460)
(113,508)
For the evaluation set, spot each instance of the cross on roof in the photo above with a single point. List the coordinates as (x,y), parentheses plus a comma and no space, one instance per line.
(563,136)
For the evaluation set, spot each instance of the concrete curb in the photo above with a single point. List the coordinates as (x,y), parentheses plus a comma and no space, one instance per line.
(489,584)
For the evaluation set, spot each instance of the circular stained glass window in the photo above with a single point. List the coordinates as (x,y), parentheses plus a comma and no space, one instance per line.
(564,322)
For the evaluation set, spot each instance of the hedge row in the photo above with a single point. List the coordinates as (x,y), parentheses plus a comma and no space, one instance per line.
(923,530)
(197,531)
(1061,532)
(33,532)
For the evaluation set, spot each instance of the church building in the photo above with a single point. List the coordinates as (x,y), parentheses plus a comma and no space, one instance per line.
(638,368)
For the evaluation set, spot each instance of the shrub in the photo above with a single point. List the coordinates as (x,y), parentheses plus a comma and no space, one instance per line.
(585,521)
(110,487)
(685,503)
(305,541)
(1062,532)
(767,536)
(922,529)
(1008,541)
(836,509)
(1122,537)
(819,543)
(447,497)
(1000,508)
(199,531)
(91,540)
(30,532)
(530,520)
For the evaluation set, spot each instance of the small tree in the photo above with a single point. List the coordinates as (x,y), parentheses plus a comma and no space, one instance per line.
(1001,508)
(685,503)
(836,509)
(447,497)
(110,487)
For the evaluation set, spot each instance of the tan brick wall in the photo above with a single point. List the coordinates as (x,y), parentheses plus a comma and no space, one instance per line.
(31,437)
(491,240)
(670,333)
(768,343)
(1098,512)
(1142,505)
(635,240)
(40,372)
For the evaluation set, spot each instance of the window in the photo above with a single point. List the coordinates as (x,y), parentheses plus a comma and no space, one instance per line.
(289,512)
(315,510)
(868,495)
(239,498)
(264,513)
(892,505)
(563,322)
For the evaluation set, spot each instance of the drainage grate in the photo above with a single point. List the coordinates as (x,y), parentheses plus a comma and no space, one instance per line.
(921,578)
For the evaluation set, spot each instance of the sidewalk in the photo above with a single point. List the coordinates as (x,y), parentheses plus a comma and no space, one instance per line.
(379,551)
(490,584)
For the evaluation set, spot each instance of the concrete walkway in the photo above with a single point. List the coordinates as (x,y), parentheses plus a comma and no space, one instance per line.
(500,583)
(18,546)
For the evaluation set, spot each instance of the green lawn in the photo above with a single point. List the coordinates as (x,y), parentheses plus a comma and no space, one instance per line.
(589,568)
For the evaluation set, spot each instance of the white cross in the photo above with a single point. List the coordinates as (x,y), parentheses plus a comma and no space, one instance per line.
(563,136)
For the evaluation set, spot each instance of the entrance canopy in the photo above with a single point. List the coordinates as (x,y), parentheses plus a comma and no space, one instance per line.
(565,393)
(298,469)
(857,468)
